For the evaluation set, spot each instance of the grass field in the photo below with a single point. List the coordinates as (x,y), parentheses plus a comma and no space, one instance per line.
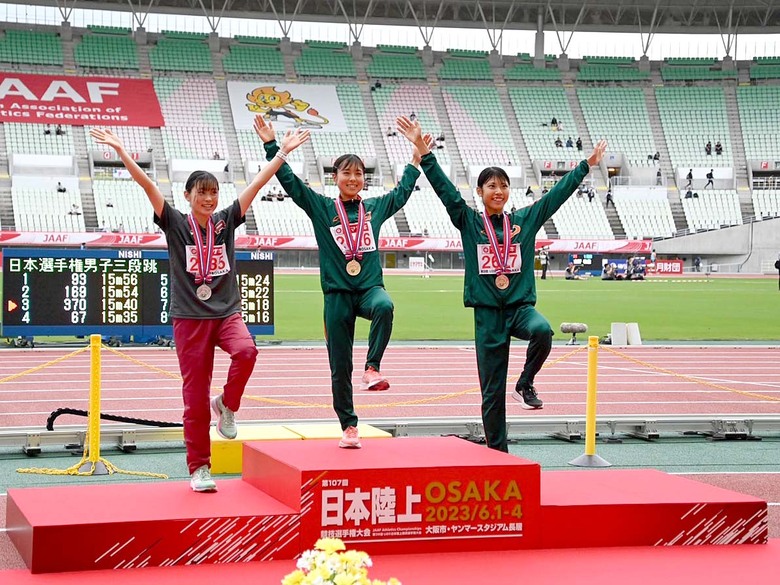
(719,309)
(666,309)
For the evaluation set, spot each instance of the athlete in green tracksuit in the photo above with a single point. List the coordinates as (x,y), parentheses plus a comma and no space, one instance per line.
(499,282)
(351,280)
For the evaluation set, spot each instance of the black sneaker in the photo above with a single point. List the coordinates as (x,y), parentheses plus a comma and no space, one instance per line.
(526,396)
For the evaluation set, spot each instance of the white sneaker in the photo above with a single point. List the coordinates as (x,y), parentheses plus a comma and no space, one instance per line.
(350,439)
(226,423)
(201,481)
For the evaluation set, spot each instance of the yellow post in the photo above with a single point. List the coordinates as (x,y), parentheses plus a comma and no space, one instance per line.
(590,459)
(590,406)
(93,424)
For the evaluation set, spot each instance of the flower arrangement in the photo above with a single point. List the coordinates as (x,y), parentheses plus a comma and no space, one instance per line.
(330,563)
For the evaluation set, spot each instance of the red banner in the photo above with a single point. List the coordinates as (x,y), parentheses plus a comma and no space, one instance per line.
(78,101)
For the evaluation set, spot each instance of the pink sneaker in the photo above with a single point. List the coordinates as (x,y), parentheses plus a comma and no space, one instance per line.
(350,439)
(373,380)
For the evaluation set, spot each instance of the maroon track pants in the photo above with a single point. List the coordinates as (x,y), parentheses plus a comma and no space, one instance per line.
(195,341)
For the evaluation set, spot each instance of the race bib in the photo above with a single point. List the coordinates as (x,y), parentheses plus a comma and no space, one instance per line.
(368,244)
(488,261)
(219,261)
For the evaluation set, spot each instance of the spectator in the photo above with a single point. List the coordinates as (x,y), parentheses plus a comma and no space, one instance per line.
(529,192)
(559,142)
(708,148)
(47,130)
(609,199)
(216,156)
(571,272)
(227,168)
(75,209)
(109,203)
(60,188)
(777,267)
(591,194)
(560,126)
(569,142)
(710,180)
(544,258)
(657,156)
(544,191)
(103,227)
(718,148)
(440,137)
(658,178)
(412,116)
(554,122)
(59,131)
(579,143)
(689,178)
(689,194)
(391,132)
(697,264)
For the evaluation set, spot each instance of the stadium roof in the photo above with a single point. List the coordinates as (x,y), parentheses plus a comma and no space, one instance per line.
(647,16)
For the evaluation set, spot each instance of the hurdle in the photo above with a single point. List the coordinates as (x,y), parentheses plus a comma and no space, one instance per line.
(91,462)
(589,458)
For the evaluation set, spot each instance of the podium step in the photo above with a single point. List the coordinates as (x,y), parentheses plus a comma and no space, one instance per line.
(635,507)
(114,526)
(430,494)
(227,454)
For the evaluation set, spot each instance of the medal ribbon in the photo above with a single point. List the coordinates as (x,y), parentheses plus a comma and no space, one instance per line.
(204,257)
(353,245)
(500,250)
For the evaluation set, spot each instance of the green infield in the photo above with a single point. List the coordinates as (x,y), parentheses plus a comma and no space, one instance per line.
(716,309)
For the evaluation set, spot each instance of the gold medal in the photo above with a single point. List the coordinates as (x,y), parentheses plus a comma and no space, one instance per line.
(353,267)
(203,292)
(502,281)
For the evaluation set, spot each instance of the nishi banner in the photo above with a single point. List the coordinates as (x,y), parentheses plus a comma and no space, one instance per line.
(78,101)
(287,105)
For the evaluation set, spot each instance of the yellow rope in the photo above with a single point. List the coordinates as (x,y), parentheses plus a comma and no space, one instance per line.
(42,366)
(76,469)
(688,378)
(95,458)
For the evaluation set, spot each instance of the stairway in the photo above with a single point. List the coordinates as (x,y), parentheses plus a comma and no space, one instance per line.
(85,180)
(6,203)
(738,153)
(673,193)
(458,166)
(517,135)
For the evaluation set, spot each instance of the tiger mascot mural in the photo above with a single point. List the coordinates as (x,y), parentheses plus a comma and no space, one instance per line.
(274,105)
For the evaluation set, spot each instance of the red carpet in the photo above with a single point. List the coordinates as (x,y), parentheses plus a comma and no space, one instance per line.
(595,566)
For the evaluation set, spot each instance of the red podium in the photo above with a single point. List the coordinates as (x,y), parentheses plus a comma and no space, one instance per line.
(394,496)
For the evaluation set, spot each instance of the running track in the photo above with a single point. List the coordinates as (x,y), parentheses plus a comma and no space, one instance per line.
(293,383)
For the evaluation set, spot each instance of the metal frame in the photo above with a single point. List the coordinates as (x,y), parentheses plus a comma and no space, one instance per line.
(32,440)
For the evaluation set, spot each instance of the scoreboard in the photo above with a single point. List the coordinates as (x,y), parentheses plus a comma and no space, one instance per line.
(113,292)
(587,262)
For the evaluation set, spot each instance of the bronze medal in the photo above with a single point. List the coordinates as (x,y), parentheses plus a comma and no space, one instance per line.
(502,281)
(203,292)
(353,267)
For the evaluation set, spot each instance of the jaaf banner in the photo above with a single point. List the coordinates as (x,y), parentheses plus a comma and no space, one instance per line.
(78,101)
